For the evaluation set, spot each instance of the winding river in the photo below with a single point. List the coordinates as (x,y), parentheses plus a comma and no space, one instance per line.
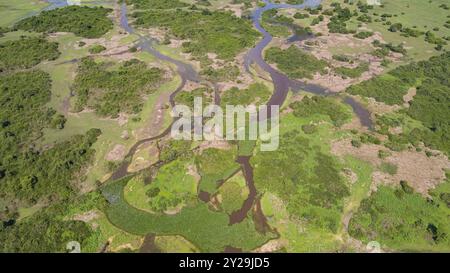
(282,85)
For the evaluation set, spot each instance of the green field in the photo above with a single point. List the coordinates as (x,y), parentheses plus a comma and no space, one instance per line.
(206,229)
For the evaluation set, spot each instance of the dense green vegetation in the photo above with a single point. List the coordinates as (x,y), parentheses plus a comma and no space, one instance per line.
(338,22)
(233,194)
(187,98)
(111,92)
(276,25)
(42,234)
(206,229)
(256,93)
(430,105)
(321,106)
(226,73)
(28,174)
(97,49)
(363,34)
(49,230)
(208,31)
(295,62)
(174,149)
(386,88)
(352,72)
(403,220)
(156,4)
(215,166)
(26,53)
(307,179)
(81,20)
(171,187)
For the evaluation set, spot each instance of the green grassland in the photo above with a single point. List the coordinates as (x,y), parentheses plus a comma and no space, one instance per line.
(403,220)
(359,190)
(208,31)
(63,73)
(83,21)
(171,189)
(110,92)
(296,63)
(207,230)
(420,16)
(255,94)
(233,193)
(215,165)
(429,106)
(174,244)
(305,177)
(50,155)
(26,53)
(12,11)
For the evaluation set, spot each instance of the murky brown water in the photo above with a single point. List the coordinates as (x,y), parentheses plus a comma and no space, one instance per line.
(149,245)
(282,85)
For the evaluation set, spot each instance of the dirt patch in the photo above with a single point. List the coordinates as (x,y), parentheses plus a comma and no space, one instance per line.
(409,96)
(192,171)
(379,108)
(113,47)
(237,9)
(125,135)
(420,171)
(88,217)
(216,144)
(243,81)
(190,86)
(156,33)
(355,124)
(155,124)
(350,175)
(322,47)
(337,83)
(175,43)
(272,246)
(117,153)
(146,155)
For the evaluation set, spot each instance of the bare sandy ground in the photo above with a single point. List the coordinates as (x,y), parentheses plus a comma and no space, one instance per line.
(117,153)
(146,155)
(420,171)
(322,47)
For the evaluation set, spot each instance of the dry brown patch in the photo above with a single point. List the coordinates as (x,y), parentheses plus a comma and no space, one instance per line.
(420,171)
(272,246)
(192,171)
(243,81)
(214,144)
(117,153)
(237,9)
(113,47)
(87,216)
(379,108)
(409,96)
(155,124)
(146,155)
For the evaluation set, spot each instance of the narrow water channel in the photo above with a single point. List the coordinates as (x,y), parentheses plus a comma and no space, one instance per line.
(282,85)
